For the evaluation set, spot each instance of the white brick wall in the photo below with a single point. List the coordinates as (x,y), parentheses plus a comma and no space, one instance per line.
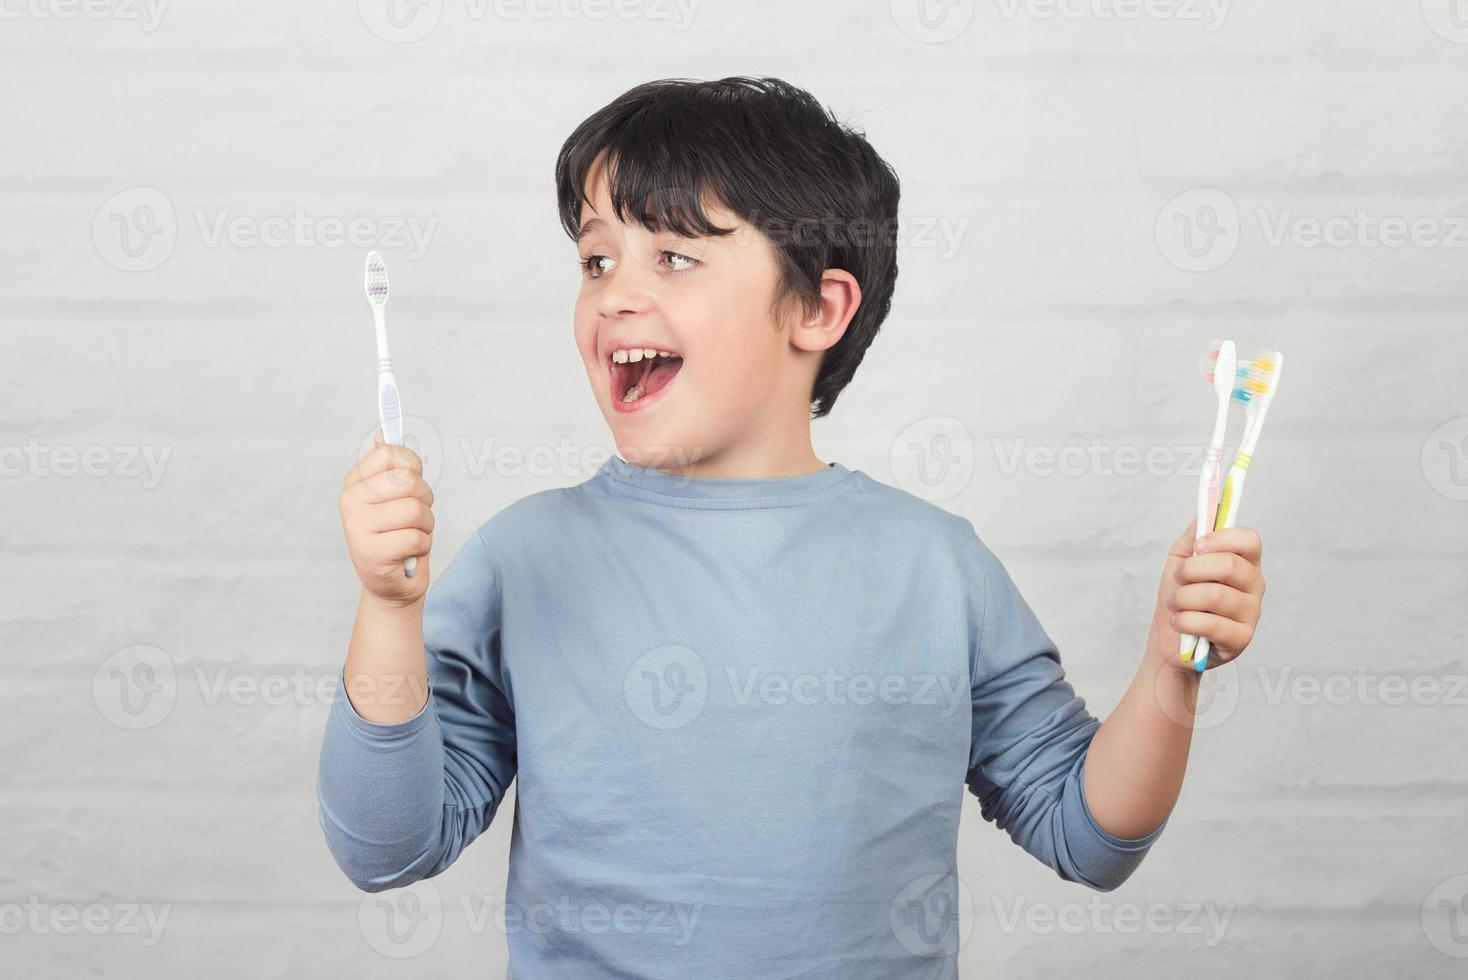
(1320,834)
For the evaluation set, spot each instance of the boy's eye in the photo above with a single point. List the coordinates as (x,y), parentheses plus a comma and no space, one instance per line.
(591,265)
(595,266)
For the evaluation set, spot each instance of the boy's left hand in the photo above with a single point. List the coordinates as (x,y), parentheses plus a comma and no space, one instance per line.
(1215,593)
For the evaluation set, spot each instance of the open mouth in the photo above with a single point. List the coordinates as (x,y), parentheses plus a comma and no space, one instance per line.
(641,372)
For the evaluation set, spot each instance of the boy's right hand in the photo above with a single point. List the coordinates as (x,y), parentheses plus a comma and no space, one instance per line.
(386,515)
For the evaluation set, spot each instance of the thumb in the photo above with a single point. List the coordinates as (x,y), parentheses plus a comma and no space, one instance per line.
(377,438)
(1183,546)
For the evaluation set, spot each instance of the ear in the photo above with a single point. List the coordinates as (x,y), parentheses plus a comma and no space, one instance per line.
(840,299)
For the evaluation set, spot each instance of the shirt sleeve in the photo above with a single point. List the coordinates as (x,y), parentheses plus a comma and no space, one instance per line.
(399,802)
(1031,733)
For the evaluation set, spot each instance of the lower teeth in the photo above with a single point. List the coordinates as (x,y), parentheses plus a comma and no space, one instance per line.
(634,393)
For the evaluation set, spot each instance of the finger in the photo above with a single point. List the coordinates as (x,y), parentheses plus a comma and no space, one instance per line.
(383,458)
(377,437)
(1227,568)
(1210,597)
(1243,541)
(394,546)
(1225,634)
(393,485)
(1183,546)
(393,515)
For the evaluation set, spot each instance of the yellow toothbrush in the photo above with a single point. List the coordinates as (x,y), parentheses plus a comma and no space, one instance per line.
(1256,390)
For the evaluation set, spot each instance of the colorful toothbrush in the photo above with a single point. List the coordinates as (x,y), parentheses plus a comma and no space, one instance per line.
(1208,367)
(389,407)
(1224,372)
(1255,391)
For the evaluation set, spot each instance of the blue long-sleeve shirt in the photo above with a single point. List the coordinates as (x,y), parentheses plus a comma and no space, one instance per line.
(742,713)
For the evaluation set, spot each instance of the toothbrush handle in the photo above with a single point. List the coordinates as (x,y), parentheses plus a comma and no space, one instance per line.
(390,411)
(1228,512)
(389,408)
(1208,495)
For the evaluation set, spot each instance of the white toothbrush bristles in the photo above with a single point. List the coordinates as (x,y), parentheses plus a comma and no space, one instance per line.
(376,279)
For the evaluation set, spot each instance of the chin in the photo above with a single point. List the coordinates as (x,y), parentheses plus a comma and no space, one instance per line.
(653,447)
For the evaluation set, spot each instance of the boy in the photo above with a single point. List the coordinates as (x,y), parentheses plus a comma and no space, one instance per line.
(741,689)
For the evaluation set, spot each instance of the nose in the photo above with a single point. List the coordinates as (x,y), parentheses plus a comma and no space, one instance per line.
(630,287)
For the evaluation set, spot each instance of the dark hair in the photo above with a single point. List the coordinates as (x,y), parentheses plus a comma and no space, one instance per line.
(770,153)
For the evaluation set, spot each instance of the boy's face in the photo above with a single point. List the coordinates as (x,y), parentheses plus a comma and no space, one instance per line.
(734,376)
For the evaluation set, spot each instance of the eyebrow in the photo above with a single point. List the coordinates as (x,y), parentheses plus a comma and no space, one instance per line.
(595,224)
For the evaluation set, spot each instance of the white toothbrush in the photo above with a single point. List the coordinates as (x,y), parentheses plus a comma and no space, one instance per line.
(389,407)
(1256,390)
(1224,375)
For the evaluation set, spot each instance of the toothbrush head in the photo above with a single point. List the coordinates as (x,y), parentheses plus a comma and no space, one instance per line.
(1258,378)
(1262,379)
(376,280)
(1208,365)
(1225,370)
(1243,393)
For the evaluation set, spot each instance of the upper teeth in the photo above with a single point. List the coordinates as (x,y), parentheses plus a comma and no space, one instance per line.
(623,355)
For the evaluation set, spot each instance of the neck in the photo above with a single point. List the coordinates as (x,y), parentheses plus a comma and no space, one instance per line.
(774,454)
